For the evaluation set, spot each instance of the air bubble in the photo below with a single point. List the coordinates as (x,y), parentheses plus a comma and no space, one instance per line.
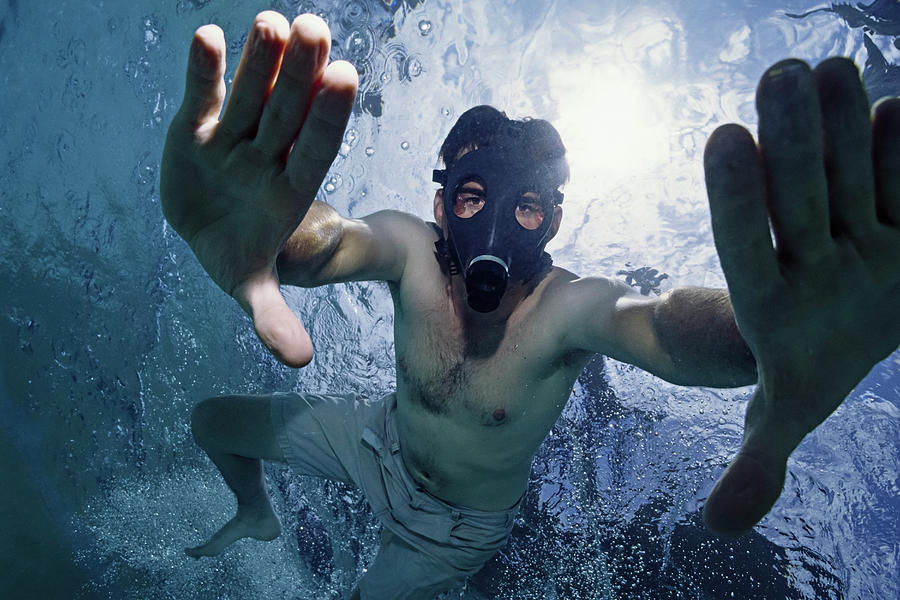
(404,145)
(360,44)
(354,12)
(412,68)
(424,27)
(153,30)
(64,145)
(370,151)
(333,183)
(144,173)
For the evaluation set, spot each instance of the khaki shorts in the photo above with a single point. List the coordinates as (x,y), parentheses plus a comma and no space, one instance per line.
(428,545)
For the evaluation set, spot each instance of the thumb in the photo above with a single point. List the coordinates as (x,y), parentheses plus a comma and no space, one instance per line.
(744,494)
(277,327)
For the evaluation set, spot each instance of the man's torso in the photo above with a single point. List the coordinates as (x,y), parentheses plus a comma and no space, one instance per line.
(474,403)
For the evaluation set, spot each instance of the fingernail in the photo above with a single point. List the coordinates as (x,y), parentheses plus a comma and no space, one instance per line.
(329,103)
(789,66)
(786,75)
(204,62)
(258,34)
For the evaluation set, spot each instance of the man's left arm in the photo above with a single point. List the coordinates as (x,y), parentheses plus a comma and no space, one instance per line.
(696,329)
(687,336)
(806,222)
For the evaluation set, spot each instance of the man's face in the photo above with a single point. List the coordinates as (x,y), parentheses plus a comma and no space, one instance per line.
(498,211)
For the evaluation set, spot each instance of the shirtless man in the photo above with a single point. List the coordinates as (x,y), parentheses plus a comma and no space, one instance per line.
(486,364)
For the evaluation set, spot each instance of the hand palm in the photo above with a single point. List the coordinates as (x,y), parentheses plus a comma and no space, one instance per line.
(236,189)
(818,308)
(249,210)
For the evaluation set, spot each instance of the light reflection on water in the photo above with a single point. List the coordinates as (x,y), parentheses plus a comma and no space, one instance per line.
(114,332)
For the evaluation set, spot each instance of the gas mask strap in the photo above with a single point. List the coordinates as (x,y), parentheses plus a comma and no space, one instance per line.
(445,255)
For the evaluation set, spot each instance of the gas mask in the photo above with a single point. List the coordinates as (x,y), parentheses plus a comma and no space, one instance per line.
(499,210)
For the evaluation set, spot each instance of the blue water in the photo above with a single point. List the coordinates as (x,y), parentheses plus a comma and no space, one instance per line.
(111,331)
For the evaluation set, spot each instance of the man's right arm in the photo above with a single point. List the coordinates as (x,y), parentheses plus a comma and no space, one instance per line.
(328,248)
(235,188)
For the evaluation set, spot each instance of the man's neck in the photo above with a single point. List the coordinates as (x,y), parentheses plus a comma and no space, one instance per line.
(483,332)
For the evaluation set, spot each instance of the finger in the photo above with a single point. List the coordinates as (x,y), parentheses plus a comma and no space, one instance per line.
(792,147)
(277,327)
(736,188)
(743,495)
(323,129)
(886,155)
(204,89)
(255,76)
(302,68)
(848,147)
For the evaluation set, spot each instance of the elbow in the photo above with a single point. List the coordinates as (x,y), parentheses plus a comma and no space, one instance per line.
(312,246)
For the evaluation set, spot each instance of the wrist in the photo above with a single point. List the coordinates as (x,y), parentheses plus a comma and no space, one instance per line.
(779,416)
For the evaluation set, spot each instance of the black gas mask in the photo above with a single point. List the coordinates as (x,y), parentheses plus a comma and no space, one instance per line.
(499,210)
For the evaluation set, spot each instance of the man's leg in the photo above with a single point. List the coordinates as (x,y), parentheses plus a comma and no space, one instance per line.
(236,432)
(401,572)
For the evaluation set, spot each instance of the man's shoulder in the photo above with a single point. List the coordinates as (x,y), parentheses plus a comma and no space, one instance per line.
(570,286)
(571,299)
(404,225)
(583,311)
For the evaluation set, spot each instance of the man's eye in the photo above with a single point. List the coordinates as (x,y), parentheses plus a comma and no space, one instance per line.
(467,203)
(529,212)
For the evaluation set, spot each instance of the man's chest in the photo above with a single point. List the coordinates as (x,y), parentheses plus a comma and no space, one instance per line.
(490,379)
(438,376)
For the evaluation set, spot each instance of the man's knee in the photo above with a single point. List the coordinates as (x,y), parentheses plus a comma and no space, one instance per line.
(238,425)
(202,415)
(213,421)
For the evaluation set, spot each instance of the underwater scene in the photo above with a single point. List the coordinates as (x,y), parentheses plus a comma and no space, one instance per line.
(112,331)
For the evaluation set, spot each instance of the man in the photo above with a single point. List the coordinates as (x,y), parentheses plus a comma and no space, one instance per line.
(489,336)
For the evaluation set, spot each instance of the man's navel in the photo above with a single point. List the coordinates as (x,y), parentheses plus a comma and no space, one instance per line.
(499,415)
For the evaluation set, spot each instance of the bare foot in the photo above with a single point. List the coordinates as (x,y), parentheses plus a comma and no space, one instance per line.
(258,522)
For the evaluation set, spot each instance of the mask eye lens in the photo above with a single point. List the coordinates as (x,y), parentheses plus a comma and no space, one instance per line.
(469,200)
(530,211)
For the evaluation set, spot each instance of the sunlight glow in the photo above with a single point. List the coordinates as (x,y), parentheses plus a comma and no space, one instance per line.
(611,122)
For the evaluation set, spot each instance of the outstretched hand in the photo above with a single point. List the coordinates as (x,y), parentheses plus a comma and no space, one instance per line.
(819,307)
(235,189)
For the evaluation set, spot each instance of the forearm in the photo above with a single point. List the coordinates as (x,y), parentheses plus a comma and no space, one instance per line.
(310,246)
(696,327)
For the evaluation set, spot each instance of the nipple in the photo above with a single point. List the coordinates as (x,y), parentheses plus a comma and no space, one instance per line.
(499,414)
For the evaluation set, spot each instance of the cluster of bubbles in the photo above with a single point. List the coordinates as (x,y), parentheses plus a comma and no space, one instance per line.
(362,33)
